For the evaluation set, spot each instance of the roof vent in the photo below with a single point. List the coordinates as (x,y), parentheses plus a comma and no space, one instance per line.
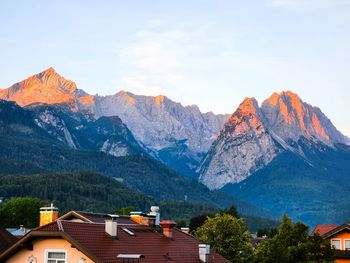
(155,212)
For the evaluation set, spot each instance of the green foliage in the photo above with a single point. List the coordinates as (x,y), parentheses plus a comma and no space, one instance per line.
(181,223)
(139,172)
(198,221)
(92,192)
(228,236)
(231,211)
(269,232)
(21,211)
(293,244)
(124,210)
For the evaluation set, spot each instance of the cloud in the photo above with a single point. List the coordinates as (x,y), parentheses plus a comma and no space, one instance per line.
(154,60)
(303,5)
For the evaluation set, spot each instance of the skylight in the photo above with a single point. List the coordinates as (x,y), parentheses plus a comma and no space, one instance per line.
(130,233)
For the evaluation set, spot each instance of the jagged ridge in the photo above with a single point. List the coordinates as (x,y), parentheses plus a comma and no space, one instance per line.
(255,135)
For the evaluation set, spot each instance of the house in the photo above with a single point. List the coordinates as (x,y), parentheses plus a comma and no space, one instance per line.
(339,237)
(89,237)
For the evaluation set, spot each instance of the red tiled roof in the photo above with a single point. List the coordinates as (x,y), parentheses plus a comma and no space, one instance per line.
(147,241)
(6,239)
(323,229)
(95,217)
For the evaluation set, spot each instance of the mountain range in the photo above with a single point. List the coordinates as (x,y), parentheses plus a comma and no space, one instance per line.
(281,156)
(177,135)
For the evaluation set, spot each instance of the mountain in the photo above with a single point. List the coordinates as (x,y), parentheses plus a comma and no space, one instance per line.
(177,135)
(254,136)
(284,156)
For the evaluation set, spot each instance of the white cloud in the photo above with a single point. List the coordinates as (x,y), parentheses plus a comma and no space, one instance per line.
(154,23)
(154,61)
(302,5)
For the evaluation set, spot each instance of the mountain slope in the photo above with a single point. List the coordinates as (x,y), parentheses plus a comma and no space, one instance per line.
(317,194)
(86,191)
(81,131)
(92,192)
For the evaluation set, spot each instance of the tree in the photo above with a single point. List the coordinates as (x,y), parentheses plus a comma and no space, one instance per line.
(292,244)
(231,211)
(181,223)
(124,210)
(198,221)
(21,211)
(228,236)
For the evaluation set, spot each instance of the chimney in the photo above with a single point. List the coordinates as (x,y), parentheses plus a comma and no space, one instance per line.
(48,214)
(111,227)
(168,226)
(204,252)
(185,230)
(155,212)
(136,217)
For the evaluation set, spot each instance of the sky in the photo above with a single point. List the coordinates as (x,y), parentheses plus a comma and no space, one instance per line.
(209,53)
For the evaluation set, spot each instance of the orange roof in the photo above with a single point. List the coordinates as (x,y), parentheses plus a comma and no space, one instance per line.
(322,229)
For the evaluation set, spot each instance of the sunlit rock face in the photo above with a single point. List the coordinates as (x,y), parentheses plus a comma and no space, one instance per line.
(254,136)
(45,87)
(290,118)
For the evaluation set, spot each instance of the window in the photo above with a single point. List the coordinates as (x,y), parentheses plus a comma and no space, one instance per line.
(335,243)
(347,244)
(56,256)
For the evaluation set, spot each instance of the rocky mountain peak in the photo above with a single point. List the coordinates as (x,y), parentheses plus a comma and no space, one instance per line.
(45,87)
(247,117)
(48,72)
(243,145)
(291,118)
(248,106)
